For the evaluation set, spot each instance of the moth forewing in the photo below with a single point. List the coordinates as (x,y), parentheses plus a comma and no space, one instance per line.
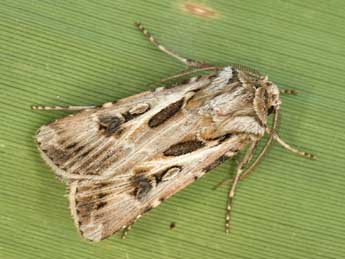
(116,160)
(123,158)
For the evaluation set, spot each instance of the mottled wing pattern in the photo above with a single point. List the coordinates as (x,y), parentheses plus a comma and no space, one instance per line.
(124,158)
(101,208)
(86,144)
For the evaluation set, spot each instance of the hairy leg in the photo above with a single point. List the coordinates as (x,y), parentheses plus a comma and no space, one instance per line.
(235,181)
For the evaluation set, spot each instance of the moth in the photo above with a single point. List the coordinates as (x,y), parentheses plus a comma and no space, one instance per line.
(123,158)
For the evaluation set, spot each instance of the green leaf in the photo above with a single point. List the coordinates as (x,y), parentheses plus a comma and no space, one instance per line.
(88,52)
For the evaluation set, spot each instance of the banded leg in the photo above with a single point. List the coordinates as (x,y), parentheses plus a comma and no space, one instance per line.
(125,231)
(227,181)
(186,61)
(62,108)
(289,148)
(274,136)
(275,124)
(128,228)
(235,181)
(245,160)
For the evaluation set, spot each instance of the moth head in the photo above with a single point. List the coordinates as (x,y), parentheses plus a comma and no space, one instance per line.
(273,100)
(266,99)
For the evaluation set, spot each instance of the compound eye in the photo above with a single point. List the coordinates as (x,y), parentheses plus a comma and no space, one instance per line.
(275,100)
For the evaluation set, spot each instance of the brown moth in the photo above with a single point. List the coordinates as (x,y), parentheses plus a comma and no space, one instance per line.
(124,158)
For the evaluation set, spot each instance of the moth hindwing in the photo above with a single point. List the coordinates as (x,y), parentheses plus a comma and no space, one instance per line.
(123,158)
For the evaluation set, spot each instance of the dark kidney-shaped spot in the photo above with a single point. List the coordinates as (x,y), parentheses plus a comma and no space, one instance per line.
(110,124)
(184,147)
(142,186)
(165,114)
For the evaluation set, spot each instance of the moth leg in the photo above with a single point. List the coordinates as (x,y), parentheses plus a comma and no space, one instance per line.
(288,91)
(235,181)
(264,150)
(125,231)
(62,108)
(128,228)
(186,61)
(268,144)
(246,158)
(226,181)
(291,149)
